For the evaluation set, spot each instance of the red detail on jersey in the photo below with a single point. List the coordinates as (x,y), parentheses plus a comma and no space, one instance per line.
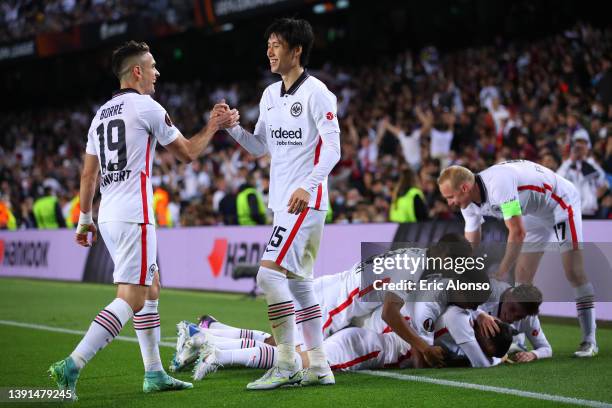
(168,120)
(316,161)
(143,193)
(329,115)
(294,231)
(535,333)
(388,329)
(356,361)
(143,252)
(148,159)
(217,255)
(143,183)
(562,204)
(348,301)
(440,332)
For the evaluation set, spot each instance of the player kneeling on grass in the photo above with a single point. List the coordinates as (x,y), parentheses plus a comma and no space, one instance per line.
(517,306)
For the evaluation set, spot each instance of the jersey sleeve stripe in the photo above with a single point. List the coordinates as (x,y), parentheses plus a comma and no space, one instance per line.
(340,308)
(316,161)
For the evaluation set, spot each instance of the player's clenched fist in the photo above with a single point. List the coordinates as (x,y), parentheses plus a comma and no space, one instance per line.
(298,201)
(85,226)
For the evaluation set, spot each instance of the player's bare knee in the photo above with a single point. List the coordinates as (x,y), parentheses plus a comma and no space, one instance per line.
(270,341)
(154,289)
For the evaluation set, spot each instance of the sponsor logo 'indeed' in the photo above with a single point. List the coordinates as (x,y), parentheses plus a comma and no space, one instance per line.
(287,137)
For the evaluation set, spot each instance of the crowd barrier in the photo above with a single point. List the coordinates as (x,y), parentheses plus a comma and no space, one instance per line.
(203,258)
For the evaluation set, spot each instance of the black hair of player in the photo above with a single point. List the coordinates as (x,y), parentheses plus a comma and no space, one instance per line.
(503,339)
(126,50)
(529,297)
(296,32)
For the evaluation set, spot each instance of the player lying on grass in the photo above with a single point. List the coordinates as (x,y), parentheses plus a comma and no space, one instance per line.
(517,306)
(354,348)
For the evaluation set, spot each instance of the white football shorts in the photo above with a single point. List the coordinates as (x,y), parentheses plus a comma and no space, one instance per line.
(295,241)
(133,248)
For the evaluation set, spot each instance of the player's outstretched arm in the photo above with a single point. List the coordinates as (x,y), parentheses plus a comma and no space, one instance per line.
(188,150)
(89,177)
(391,314)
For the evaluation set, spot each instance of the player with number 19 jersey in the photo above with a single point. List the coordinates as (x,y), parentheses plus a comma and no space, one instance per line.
(123,135)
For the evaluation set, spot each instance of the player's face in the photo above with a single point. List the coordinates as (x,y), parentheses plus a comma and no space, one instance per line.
(281,58)
(511,311)
(149,74)
(456,198)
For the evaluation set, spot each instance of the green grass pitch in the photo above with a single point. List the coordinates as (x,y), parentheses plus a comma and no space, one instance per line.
(114,377)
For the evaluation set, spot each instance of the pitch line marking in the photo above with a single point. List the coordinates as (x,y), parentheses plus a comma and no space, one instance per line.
(388,374)
(489,388)
(71,331)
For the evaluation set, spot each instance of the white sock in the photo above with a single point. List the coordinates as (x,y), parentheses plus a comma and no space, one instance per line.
(308,313)
(224,343)
(280,313)
(318,361)
(146,324)
(585,307)
(104,328)
(254,357)
(234,333)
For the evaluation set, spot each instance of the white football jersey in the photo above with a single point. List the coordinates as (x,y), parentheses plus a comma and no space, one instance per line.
(292,122)
(518,187)
(529,326)
(453,328)
(123,135)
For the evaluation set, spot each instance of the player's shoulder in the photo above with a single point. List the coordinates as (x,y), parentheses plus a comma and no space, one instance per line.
(273,89)
(314,85)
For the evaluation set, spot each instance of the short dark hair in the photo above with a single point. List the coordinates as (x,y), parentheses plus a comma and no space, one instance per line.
(296,32)
(125,51)
(503,339)
(529,297)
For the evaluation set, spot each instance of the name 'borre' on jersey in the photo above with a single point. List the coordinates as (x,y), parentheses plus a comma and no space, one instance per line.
(292,122)
(123,135)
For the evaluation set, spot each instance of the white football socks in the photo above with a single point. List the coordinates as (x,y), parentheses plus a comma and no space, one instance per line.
(104,328)
(585,308)
(280,313)
(146,324)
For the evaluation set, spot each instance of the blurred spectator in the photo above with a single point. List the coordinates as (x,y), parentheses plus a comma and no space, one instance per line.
(47,211)
(408,203)
(421,111)
(250,206)
(7,218)
(588,177)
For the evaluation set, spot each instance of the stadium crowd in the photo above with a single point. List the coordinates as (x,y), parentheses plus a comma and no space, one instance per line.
(402,120)
(25,18)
